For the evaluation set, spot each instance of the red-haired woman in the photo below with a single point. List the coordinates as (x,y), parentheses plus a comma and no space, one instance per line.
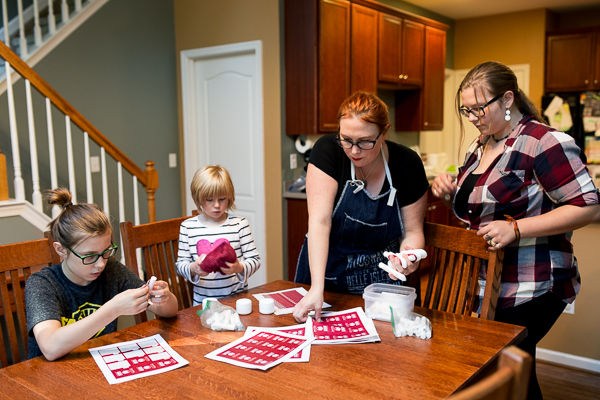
(365,196)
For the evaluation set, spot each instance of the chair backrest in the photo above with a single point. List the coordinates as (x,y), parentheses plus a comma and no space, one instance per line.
(510,381)
(158,242)
(17,262)
(455,258)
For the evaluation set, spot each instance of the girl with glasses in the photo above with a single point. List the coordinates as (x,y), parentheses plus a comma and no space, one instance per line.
(524,187)
(365,196)
(83,296)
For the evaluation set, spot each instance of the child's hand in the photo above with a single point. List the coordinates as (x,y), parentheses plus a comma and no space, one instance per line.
(233,268)
(159,293)
(195,267)
(130,302)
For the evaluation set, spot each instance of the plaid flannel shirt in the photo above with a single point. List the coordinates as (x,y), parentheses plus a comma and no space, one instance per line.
(539,170)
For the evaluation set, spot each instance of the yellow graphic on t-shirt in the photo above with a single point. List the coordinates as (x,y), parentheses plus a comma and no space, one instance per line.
(83,311)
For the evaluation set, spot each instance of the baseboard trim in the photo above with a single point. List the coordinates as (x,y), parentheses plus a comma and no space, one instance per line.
(570,360)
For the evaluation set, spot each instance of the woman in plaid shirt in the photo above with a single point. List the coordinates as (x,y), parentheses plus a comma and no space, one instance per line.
(523,187)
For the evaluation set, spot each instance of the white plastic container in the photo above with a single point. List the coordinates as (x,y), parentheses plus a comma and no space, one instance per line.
(380,296)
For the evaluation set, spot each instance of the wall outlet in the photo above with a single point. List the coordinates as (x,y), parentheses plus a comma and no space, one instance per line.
(570,308)
(293,161)
(172,160)
(95,164)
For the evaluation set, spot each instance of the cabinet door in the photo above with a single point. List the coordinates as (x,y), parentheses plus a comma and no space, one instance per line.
(389,54)
(334,61)
(413,36)
(433,83)
(596,82)
(363,49)
(297,225)
(569,62)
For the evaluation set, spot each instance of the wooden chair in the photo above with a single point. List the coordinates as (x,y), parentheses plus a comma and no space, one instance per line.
(17,262)
(510,381)
(159,242)
(455,258)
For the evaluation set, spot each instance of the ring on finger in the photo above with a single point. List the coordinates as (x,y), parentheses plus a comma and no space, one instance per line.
(492,243)
(498,245)
(435,192)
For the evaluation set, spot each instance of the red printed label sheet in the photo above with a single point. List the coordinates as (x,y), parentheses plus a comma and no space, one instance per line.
(138,358)
(349,326)
(261,349)
(298,330)
(285,300)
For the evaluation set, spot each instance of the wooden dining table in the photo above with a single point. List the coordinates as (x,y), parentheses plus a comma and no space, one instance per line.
(406,367)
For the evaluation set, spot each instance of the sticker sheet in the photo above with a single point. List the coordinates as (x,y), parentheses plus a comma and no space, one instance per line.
(349,326)
(285,300)
(126,361)
(261,349)
(298,330)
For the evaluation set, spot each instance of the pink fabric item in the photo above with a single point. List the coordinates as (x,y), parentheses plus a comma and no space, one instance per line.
(216,254)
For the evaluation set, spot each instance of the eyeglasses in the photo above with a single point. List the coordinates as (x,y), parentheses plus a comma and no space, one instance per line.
(363,144)
(92,258)
(477,111)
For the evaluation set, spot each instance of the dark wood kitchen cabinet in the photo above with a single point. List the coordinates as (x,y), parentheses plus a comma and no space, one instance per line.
(573,60)
(422,110)
(401,52)
(317,58)
(334,47)
(363,52)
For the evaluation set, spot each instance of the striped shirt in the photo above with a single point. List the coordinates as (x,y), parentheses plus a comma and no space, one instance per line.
(237,231)
(539,170)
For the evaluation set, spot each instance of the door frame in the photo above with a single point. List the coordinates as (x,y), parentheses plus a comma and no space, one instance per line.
(191,122)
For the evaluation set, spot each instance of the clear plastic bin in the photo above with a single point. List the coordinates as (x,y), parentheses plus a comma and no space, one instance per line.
(380,296)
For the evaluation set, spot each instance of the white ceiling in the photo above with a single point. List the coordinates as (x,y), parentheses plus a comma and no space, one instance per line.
(461,9)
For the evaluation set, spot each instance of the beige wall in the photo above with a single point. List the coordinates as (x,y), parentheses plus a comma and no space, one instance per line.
(211,23)
(519,38)
(514,38)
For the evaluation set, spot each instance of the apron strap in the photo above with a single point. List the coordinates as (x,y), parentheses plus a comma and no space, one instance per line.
(389,177)
(360,185)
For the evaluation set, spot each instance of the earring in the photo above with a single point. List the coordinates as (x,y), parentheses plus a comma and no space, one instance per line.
(507,116)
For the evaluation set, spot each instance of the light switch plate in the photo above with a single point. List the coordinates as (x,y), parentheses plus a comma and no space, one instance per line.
(172,160)
(293,161)
(95,164)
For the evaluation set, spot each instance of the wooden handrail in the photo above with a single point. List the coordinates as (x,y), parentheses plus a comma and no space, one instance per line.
(148,178)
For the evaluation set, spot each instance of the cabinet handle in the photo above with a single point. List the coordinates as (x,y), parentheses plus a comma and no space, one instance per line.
(586,81)
(405,76)
(433,207)
(425,123)
(401,77)
(595,81)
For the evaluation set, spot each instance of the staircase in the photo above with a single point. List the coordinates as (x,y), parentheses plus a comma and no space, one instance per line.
(50,144)
(36,27)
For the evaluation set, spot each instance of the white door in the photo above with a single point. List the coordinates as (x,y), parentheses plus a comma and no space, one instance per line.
(223,124)
(522,73)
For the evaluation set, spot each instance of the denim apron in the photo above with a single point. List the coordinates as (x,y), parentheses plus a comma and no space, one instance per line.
(363,227)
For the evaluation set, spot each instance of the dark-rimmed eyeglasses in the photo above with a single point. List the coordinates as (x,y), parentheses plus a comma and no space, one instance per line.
(92,258)
(477,111)
(363,144)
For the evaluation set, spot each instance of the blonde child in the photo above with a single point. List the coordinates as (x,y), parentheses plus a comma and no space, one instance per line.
(81,297)
(214,195)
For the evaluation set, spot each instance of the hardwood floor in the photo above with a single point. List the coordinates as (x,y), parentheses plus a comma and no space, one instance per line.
(564,383)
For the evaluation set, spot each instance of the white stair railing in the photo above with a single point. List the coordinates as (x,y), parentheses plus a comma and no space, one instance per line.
(34,31)
(78,134)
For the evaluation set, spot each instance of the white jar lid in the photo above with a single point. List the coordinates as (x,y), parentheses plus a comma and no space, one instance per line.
(266,306)
(243,306)
(204,301)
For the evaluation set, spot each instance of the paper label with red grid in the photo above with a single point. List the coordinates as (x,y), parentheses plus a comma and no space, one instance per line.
(285,300)
(125,361)
(298,330)
(261,350)
(349,326)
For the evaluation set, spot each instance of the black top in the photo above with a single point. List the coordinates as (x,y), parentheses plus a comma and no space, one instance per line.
(461,203)
(406,169)
(50,295)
